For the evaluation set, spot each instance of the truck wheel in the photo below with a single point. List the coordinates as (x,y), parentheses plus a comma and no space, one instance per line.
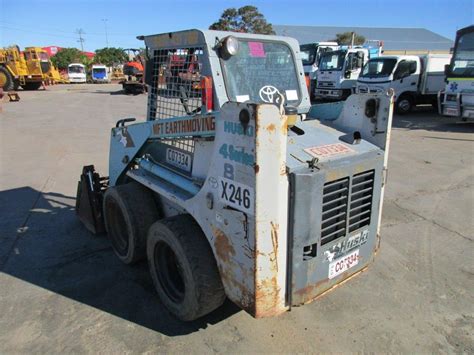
(6,80)
(32,86)
(404,105)
(129,211)
(183,268)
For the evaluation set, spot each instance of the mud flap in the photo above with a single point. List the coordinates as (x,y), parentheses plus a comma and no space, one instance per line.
(90,192)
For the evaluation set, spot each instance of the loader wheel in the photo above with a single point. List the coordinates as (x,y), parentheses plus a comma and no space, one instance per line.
(183,268)
(6,80)
(32,86)
(129,211)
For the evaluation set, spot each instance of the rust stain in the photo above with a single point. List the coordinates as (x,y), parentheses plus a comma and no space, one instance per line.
(256,168)
(284,126)
(266,298)
(271,128)
(228,269)
(274,235)
(223,246)
(311,292)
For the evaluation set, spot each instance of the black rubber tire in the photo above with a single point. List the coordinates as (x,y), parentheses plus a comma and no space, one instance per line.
(32,86)
(404,105)
(129,211)
(9,84)
(177,247)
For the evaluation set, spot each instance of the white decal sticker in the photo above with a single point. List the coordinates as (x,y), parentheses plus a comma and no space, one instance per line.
(329,150)
(242,98)
(179,159)
(340,265)
(236,195)
(291,95)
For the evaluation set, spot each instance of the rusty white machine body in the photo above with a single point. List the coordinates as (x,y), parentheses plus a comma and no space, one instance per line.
(235,186)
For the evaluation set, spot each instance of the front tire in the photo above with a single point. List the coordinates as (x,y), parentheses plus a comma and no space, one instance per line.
(129,211)
(6,79)
(183,268)
(404,105)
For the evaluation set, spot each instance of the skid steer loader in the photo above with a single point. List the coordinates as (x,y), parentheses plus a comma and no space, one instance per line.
(241,188)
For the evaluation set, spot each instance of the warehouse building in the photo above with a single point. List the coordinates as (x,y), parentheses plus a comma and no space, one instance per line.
(395,40)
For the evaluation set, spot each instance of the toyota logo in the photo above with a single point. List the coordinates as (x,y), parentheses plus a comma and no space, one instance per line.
(267,94)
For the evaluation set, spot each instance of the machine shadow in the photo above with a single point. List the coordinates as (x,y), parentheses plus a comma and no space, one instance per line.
(425,118)
(43,243)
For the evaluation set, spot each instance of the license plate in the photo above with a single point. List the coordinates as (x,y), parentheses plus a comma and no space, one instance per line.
(343,264)
(179,159)
(452,111)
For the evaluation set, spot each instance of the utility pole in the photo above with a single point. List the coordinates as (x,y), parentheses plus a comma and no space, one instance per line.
(106,35)
(80,32)
(352,39)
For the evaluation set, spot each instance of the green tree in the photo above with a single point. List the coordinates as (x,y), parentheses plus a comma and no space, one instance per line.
(245,19)
(110,55)
(66,56)
(346,37)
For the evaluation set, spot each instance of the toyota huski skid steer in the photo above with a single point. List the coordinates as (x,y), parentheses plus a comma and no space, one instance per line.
(234,185)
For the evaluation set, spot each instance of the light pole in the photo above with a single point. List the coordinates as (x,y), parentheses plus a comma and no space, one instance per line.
(106,36)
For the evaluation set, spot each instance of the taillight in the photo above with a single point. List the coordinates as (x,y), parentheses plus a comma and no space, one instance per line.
(308,81)
(206,92)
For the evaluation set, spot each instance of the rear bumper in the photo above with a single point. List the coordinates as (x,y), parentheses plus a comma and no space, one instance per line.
(334,94)
(454,105)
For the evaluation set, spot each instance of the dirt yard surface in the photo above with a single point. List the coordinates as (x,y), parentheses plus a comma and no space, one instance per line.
(62,290)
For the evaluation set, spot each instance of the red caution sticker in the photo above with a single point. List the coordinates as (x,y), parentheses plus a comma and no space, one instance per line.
(329,150)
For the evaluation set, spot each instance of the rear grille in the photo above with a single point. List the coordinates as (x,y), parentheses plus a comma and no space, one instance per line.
(361,200)
(341,214)
(334,217)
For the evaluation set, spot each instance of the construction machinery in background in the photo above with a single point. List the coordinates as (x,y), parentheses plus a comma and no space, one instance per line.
(241,189)
(457,97)
(39,56)
(19,69)
(28,69)
(133,71)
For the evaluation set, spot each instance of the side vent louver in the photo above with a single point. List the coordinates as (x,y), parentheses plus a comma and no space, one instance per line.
(361,200)
(347,205)
(335,200)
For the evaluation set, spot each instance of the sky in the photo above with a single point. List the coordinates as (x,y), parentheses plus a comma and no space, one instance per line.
(55,22)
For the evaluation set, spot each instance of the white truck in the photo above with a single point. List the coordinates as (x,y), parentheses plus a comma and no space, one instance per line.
(415,79)
(338,70)
(457,98)
(76,73)
(310,56)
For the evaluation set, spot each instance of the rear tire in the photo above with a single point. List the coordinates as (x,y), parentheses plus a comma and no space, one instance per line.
(183,268)
(6,79)
(32,86)
(404,105)
(129,211)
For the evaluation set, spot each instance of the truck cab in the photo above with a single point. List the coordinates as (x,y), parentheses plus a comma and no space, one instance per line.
(310,55)
(415,79)
(76,73)
(456,99)
(338,71)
